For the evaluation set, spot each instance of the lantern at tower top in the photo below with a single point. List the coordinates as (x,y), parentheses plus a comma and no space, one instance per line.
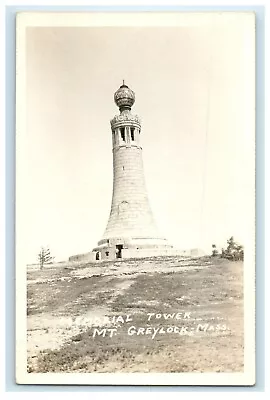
(124,97)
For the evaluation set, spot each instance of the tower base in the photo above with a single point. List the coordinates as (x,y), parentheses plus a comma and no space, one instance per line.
(124,248)
(109,252)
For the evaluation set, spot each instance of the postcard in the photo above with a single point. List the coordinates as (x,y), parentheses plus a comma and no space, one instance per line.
(135,198)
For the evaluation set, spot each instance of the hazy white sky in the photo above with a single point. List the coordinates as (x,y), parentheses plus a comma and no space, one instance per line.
(194,89)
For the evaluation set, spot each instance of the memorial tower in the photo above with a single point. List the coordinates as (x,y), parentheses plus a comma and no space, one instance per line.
(131,230)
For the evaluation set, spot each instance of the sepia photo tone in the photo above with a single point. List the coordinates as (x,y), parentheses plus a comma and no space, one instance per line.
(135,198)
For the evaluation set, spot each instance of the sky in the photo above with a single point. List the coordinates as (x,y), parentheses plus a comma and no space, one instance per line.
(194,87)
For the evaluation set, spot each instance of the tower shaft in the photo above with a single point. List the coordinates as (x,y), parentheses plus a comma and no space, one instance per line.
(131,215)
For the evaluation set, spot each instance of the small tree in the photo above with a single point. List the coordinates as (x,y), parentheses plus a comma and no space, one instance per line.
(214,250)
(44,257)
(234,250)
(239,252)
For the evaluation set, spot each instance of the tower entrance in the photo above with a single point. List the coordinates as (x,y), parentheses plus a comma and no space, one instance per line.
(119,248)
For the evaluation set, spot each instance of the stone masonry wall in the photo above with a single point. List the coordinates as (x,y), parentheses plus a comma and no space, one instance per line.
(131,214)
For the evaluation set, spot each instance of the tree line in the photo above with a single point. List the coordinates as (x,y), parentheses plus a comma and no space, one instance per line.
(234,251)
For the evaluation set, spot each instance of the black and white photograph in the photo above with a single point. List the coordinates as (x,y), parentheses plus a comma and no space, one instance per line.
(135,198)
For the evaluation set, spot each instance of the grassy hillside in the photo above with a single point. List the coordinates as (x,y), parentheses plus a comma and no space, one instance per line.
(152,315)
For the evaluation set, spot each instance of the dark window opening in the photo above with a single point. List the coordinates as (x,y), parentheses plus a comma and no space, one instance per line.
(107,253)
(132,133)
(123,168)
(123,133)
(119,248)
(97,256)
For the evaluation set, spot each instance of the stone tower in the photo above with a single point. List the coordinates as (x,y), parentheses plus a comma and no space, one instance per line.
(131,230)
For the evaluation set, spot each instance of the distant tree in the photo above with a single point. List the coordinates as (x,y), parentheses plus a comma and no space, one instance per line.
(214,250)
(44,257)
(234,250)
(239,252)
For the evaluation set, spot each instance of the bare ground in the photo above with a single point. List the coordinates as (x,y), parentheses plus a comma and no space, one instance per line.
(71,309)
